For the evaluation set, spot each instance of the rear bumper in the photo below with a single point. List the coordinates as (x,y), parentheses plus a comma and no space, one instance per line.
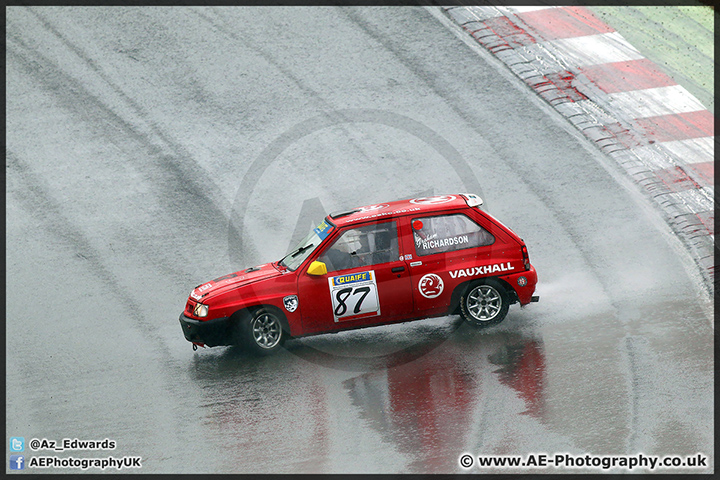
(212,333)
(524,292)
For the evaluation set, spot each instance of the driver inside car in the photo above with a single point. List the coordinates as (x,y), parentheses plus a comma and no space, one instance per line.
(344,252)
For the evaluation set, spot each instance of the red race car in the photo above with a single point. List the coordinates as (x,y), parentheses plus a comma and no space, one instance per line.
(373,265)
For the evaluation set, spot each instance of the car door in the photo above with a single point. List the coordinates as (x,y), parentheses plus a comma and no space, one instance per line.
(444,244)
(367,283)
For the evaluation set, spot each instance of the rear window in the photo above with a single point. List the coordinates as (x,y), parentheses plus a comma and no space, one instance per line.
(448,233)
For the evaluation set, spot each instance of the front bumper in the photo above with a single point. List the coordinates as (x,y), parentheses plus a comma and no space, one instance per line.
(212,333)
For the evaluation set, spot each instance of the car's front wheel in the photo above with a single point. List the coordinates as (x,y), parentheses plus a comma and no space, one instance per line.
(484,303)
(261,332)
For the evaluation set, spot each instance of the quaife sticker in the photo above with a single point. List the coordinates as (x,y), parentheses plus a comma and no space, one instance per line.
(354,295)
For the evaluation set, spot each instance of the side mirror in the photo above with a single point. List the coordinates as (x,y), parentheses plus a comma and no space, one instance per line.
(317,268)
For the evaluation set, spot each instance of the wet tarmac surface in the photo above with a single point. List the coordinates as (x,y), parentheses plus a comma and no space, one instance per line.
(140,141)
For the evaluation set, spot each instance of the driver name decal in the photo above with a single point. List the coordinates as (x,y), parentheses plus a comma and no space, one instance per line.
(443,242)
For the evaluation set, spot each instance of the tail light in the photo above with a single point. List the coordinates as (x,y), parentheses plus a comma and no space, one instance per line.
(526,257)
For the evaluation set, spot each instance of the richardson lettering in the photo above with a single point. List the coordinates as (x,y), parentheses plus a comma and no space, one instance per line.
(445,242)
(484,270)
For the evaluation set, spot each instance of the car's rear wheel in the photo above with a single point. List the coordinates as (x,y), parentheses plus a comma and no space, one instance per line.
(484,303)
(261,332)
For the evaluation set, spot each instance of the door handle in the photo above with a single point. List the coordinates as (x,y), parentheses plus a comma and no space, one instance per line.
(398,269)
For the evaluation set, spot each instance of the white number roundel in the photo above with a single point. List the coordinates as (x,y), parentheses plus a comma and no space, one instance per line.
(434,200)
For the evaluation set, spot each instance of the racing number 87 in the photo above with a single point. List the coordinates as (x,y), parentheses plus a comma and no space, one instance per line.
(350,301)
(343,294)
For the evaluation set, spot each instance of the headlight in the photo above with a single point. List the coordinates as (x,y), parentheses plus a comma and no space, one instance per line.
(200,310)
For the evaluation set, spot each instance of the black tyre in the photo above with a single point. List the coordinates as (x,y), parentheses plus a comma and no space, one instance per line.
(484,303)
(261,332)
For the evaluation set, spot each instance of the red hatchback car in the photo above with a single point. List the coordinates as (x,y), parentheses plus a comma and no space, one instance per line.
(373,265)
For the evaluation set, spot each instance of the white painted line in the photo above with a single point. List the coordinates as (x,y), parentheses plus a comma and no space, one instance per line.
(516,10)
(651,102)
(594,49)
(694,150)
(654,158)
(699,200)
(483,13)
(482,52)
(538,55)
(541,104)
(469,14)
(597,113)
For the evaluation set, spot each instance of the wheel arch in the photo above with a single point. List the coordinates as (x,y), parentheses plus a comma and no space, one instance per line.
(464,286)
(249,310)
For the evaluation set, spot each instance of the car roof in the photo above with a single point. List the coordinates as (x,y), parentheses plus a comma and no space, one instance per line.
(418,205)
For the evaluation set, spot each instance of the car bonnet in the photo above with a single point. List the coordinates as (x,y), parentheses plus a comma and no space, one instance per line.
(232,281)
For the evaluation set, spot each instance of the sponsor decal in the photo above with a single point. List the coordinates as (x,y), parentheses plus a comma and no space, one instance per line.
(441,242)
(484,270)
(291,303)
(354,295)
(431,285)
(323,230)
(352,278)
(434,200)
(225,277)
(199,290)
(382,214)
(370,208)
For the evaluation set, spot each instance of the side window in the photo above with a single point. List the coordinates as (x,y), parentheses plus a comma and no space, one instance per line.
(366,245)
(447,233)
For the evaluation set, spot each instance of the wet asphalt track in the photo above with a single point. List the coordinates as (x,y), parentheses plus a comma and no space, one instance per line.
(140,140)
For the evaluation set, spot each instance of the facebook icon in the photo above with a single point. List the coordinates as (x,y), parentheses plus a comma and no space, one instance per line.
(17,462)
